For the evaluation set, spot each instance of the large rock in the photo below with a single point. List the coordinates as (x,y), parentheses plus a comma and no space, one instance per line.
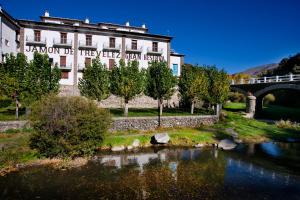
(160,138)
(118,148)
(226,144)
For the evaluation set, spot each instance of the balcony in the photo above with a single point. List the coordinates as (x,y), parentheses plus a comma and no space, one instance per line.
(87,45)
(152,51)
(66,68)
(62,42)
(110,47)
(36,41)
(129,49)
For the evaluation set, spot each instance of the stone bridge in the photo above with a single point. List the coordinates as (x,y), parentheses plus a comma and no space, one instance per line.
(256,88)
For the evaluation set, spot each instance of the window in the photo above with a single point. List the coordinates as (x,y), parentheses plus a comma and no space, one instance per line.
(64,75)
(112,42)
(88,61)
(134,44)
(111,64)
(7,43)
(88,40)
(63,61)
(175,69)
(63,38)
(37,36)
(155,46)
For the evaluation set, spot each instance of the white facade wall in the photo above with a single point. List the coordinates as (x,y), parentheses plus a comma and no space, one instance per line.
(8,38)
(176,60)
(50,36)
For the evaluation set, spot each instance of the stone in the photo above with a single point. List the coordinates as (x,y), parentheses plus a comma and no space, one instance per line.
(226,144)
(160,138)
(199,145)
(136,143)
(130,147)
(118,148)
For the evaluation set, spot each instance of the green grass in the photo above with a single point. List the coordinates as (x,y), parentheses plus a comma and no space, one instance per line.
(280,112)
(254,130)
(148,112)
(179,136)
(9,113)
(14,148)
(234,106)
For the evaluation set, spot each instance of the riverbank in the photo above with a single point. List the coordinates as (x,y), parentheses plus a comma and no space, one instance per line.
(15,150)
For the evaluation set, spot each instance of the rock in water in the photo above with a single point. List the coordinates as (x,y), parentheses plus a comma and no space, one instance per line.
(130,147)
(226,144)
(198,145)
(118,148)
(160,138)
(136,143)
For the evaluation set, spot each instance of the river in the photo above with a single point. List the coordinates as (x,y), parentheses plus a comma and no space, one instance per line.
(252,171)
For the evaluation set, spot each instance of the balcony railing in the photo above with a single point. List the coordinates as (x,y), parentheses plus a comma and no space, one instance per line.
(134,50)
(87,45)
(66,67)
(61,42)
(157,51)
(109,47)
(39,41)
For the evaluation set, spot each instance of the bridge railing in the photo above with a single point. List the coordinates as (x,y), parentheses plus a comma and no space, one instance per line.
(270,79)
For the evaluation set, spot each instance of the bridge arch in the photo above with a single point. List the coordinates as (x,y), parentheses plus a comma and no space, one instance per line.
(261,93)
(236,89)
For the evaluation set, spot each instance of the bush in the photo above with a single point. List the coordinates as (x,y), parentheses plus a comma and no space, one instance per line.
(236,97)
(67,126)
(287,124)
(269,98)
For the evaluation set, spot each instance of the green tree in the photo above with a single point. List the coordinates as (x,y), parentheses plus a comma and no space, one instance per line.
(193,85)
(95,81)
(127,82)
(219,86)
(41,78)
(160,82)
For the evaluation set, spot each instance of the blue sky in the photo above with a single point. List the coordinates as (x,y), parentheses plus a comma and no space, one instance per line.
(232,34)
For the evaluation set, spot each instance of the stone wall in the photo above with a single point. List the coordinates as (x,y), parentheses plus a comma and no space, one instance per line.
(149,123)
(141,101)
(5,125)
(137,123)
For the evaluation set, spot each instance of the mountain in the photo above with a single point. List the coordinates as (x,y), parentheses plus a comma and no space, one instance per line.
(259,69)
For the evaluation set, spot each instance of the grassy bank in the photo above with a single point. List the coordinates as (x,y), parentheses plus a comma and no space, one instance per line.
(14,144)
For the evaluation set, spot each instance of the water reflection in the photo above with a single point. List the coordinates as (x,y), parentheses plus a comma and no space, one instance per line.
(249,172)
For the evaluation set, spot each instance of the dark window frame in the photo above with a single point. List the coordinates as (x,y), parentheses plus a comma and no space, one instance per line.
(88,40)
(155,46)
(37,35)
(112,42)
(134,45)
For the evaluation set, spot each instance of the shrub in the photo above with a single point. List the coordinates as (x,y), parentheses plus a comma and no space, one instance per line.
(269,98)
(236,97)
(287,124)
(67,126)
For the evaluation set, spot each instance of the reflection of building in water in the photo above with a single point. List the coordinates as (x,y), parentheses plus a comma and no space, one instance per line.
(142,159)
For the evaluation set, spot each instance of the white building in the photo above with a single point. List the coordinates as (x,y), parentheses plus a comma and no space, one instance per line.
(9,33)
(73,43)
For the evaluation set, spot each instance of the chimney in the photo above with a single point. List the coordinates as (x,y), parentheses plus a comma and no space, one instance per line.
(127,24)
(144,26)
(87,21)
(46,13)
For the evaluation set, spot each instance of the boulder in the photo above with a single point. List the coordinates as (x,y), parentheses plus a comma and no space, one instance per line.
(226,144)
(136,143)
(130,147)
(199,145)
(118,148)
(160,138)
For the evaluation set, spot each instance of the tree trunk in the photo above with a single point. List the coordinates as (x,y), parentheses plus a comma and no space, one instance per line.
(192,107)
(17,109)
(218,108)
(160,104)
(126,109)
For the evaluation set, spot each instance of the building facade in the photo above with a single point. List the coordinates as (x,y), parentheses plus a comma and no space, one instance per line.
(72,44)
(9,33)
